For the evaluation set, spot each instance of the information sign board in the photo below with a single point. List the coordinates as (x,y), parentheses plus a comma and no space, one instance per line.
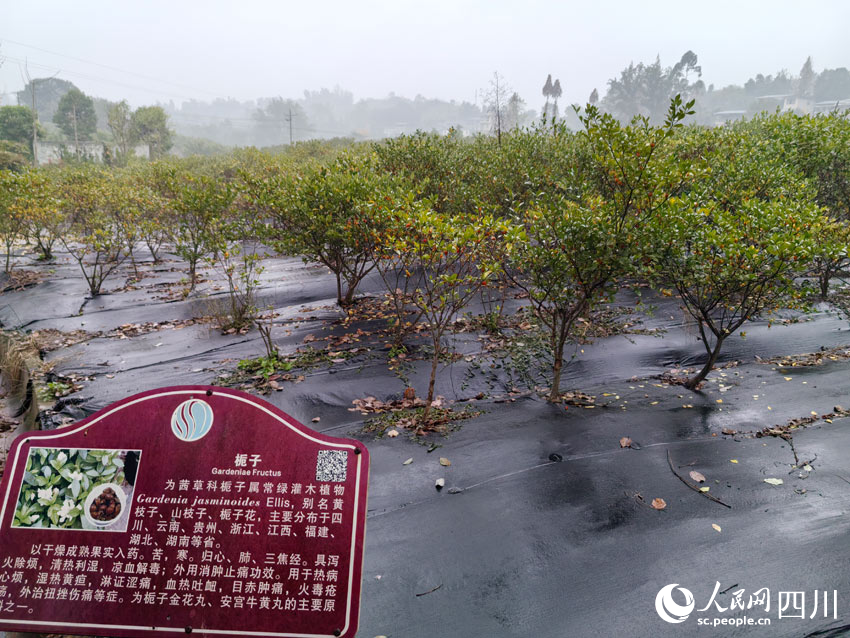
(190,509)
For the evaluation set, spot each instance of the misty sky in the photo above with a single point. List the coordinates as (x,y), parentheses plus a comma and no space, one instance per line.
(183,49)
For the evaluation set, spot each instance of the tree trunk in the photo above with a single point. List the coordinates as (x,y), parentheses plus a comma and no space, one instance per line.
(154,251)
(348,300)
(398,332)
(434,363)
(824,283)
(555,392)
(560,329)
(694,381)
(76,139)
(46,249)
(192,267)
(95,283)
(339,300)
(135,266)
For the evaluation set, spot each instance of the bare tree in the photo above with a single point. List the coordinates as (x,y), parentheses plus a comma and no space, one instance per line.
(495,101)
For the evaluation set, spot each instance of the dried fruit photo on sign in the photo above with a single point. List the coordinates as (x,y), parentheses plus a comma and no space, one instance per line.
(68,488)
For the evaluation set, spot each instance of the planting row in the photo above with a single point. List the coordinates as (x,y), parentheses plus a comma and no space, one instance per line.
(738,220)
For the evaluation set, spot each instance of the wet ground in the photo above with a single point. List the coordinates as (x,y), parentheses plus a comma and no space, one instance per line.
(545,526)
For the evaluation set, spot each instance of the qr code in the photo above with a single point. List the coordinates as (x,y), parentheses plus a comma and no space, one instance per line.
(331,465)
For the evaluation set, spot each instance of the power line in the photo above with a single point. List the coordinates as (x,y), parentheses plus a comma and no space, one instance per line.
(176,115)
(190,116)
(160,93)
(106,66)
(94,78)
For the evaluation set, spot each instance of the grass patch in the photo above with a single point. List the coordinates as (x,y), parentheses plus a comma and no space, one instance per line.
(53,390)
(264,373)
(265,366)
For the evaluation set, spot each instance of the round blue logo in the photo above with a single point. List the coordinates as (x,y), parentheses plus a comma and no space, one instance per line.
(192,420)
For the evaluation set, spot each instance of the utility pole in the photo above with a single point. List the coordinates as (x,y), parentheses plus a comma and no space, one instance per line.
(2,60)
(32,83)
(498,110)
(76,138)
(34,117)
(34,124)
(289,119)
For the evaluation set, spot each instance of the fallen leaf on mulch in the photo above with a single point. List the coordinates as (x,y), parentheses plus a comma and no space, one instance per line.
(784,431)
(128,330)
(579,399)
(625,442)
(699,478)
(810,359)
(444,461)
(716,526)
(774,481)
(658,503)
(372,404)
(50,339)
(20,279)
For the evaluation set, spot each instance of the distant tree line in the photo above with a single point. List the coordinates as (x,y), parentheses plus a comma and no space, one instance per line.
(66,114)
(645,89)
(322,114)
(77,118)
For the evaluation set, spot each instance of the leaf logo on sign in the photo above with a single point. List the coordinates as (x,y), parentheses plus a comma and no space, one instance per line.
(192,420)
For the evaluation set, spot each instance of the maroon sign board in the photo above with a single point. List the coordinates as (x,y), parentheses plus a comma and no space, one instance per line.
(190,509)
